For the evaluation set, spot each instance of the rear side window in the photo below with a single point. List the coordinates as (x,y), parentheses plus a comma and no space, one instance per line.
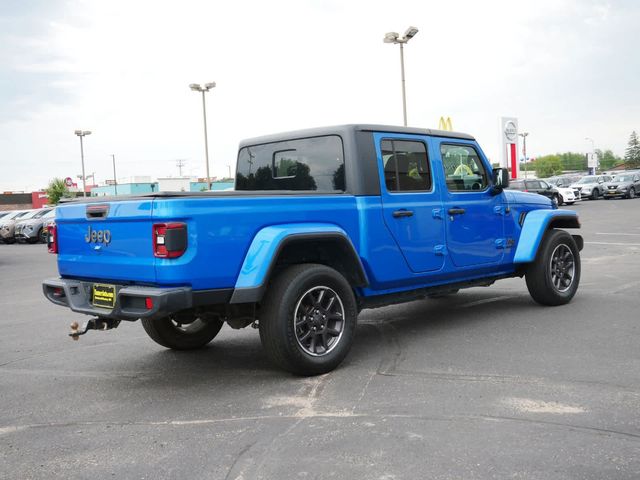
(306,164)
(406,167)
(464,171)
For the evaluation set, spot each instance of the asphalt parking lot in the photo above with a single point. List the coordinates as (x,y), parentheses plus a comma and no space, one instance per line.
(481,385)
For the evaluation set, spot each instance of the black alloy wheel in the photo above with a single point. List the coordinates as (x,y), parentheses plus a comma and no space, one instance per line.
(307,319)
(319,320)
(553,277)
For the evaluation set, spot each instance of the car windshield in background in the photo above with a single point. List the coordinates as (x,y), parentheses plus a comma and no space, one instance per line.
(587,179)
(622,178)
(50,214)
(41,213)
(28,215)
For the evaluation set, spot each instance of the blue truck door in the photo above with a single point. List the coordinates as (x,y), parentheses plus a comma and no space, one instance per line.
(411,203)
(474,217)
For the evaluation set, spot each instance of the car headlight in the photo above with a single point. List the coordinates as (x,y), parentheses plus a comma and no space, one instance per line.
(27,227)
(622,189)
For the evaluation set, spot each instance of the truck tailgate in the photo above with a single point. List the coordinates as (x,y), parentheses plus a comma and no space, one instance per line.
(107,241)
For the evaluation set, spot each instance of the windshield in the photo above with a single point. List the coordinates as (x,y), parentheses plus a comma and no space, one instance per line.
(622,178)
(588,179)
(27,215)
(16,215)
(50,213)
(41,213)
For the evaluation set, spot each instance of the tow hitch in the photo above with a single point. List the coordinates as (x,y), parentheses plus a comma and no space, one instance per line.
(93,324)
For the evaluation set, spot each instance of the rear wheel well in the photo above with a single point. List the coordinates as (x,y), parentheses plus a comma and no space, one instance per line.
(333,251)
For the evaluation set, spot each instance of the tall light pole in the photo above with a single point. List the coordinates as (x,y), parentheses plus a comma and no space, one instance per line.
(524,136)
(115,179)
(196,87)
(82,134)
(394,37)
(592,170)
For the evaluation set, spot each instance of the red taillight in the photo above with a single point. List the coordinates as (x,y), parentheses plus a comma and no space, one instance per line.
(169,239)
(148,303)
(52,239)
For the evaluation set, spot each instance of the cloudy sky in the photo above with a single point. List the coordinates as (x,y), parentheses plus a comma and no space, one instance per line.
(568,69)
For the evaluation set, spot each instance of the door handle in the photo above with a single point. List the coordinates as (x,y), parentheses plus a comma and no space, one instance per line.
(402,213)
(456,211)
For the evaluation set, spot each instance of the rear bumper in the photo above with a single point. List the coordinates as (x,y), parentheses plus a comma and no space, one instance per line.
(130,300)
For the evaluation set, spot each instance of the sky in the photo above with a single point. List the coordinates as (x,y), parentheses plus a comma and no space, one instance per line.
(567,69)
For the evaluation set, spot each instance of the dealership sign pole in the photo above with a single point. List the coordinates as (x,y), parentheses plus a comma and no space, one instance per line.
(509,135)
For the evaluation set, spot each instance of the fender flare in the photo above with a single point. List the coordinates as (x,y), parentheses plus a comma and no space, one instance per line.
(536,223)
(267,244)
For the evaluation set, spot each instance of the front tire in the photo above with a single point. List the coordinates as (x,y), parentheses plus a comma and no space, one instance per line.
(595,194)
(632,193)
(308,319)
(554,275)
(182,331)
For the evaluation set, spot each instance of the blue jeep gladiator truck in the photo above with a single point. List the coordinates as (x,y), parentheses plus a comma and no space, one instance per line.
(321,224)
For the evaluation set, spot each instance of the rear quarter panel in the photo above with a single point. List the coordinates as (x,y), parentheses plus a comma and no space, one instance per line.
(221,230)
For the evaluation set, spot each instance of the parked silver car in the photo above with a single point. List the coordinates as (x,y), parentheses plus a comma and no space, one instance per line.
(625,185)
(31,230)
(8,222)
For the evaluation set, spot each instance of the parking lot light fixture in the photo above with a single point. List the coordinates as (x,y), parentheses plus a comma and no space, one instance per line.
(82,134)
(196,87)
(394,37)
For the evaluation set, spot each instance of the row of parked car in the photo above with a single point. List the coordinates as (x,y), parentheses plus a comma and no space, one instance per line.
(568,189)
(28,226)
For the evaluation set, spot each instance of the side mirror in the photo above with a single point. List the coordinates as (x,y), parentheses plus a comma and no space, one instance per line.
(500,180)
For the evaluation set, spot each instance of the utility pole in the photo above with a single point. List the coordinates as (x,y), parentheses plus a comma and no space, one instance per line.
(180,163)
(115,179)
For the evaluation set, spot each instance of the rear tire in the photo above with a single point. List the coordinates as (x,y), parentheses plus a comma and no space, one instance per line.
(554,275)
(182,333)
(308,319)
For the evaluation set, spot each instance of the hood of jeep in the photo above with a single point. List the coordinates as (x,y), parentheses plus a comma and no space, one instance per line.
(526,198)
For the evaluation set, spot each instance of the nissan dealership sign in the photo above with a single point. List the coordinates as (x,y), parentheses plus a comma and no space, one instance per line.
(509,129)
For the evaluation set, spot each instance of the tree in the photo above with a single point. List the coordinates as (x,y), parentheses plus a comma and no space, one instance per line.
(548,166)
(632,154)
(56,190)
(608,159)
(573,161)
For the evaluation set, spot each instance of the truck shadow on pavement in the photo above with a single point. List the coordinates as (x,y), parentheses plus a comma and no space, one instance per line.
(380,337)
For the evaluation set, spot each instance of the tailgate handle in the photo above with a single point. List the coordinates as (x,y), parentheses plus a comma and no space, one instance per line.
(97,211)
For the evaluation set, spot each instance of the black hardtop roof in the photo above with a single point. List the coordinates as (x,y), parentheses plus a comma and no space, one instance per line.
(348,129)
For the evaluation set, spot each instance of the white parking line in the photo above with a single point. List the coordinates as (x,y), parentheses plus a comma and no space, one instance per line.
(613,243)
(612,233)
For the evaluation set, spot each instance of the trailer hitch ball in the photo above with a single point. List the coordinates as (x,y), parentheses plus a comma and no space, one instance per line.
(93,324)
(74,331)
